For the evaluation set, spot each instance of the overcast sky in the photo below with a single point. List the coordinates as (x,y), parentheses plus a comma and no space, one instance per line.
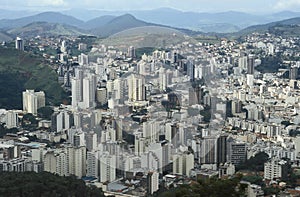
(186,5)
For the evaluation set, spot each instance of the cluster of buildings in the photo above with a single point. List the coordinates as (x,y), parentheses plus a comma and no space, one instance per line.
(191,111)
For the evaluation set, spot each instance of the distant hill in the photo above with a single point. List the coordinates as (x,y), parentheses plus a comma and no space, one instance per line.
(50,17)
(54,23)
(146,37)
(220,22)
(5,37)
(119,24)
(284,27)
(98,22)
(198,21)
(45,29)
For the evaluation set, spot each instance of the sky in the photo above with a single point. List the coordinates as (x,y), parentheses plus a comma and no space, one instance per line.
(263,6)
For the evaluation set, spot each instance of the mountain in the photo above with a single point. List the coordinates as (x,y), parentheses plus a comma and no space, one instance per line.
(222,22)
(284,27)
(5,37)
(98,22)
(45,29)
(194,20)
(119,24)
(147,37)
(50,17)
(285,15)
(54,24)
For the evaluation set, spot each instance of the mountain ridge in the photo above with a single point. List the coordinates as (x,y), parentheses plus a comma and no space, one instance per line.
(198,21)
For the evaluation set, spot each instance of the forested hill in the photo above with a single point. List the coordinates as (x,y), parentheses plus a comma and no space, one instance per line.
(44,184)
(19,71)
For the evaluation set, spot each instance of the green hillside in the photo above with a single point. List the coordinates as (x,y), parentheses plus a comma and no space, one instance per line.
(45,29)
(20,71)
(44,184)
(288,28)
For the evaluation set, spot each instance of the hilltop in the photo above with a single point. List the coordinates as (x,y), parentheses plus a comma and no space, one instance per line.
(289,27)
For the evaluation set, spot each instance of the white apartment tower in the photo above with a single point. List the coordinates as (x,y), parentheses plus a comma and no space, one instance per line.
(84,90)
(151,131)
(19,44)
(136,88)
(275,169)
(89,91)
(11,119)
(32,101)
(152,182)
(107,168)
(183,163)
(92,162)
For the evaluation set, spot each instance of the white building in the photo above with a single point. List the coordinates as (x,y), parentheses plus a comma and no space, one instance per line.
(89,91)
(77,161)
(151,131)
(183,163)
(76,91)
(92,162)
(19,44)
(152,182)
(136,88)
(32,101)
(83,59)
(11,118)
(275,169)
(107,168)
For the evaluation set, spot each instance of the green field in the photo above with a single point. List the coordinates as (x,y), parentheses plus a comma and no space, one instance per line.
(20,71)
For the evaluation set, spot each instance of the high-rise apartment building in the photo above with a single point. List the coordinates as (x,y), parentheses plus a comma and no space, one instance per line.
(19,44)
(32,101)
(11,119)
(107,167)
(183,163)
(152,182)
(136,88)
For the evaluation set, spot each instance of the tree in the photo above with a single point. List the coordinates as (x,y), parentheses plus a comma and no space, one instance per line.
(255,163)
(45,112)
(211,187)
(44,184)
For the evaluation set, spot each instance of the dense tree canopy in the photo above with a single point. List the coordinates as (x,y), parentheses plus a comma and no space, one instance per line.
(45,112)
(211,188)
(255,163)
(44,184)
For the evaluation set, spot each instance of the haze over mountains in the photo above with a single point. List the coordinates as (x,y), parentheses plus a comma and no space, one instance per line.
(106,23)
(222,22)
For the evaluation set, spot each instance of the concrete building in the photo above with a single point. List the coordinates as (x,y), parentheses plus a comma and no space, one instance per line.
(136,88)
(92,164)
(275,169)
(183,163)
(107,168)
(32,101)
(13,165)
(237,152)
(62,120)
(19,43)
(11,119)
(152,182)
(209,150)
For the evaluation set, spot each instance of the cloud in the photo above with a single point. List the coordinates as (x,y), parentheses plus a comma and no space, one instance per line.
(44,3)
(287,4)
